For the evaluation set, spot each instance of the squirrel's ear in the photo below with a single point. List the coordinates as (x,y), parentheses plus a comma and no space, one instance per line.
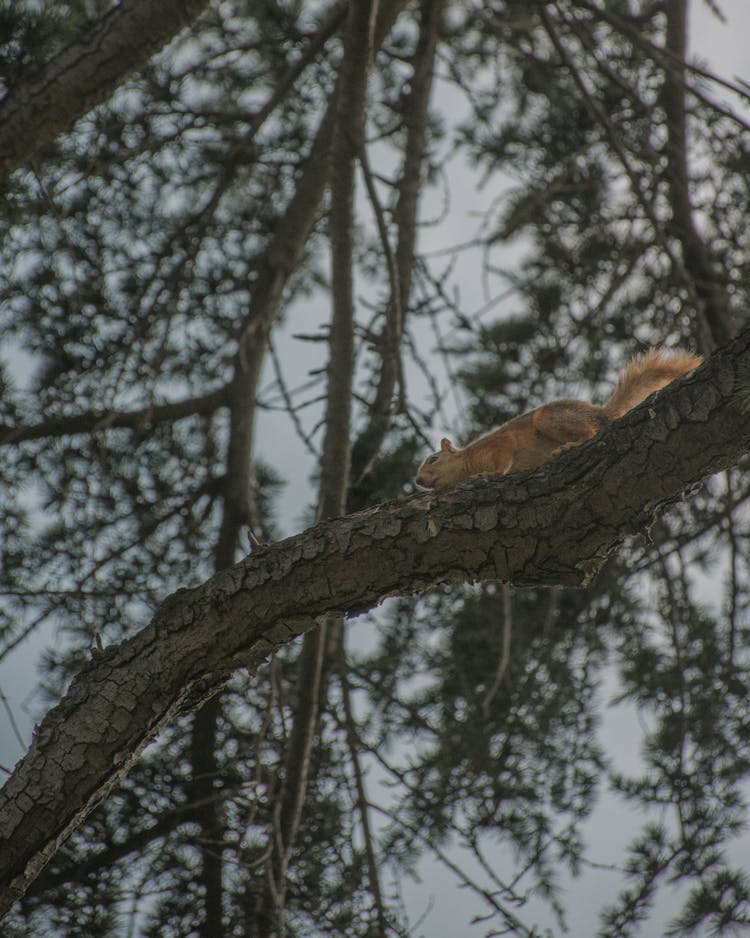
(446,446)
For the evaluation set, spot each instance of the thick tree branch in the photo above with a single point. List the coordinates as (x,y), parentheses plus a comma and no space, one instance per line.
(85,73)
(555,525)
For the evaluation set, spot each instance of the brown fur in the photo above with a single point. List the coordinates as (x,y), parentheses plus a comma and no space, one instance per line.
(532,438)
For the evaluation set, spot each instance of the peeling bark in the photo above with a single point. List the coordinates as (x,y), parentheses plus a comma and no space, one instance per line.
(555,525)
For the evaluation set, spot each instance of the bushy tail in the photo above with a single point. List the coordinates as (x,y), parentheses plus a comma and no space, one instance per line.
(646,373)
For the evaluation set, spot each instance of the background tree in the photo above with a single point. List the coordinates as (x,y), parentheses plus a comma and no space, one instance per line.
(169,261)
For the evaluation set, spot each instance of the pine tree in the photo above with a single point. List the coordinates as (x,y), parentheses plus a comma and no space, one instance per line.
(172,208)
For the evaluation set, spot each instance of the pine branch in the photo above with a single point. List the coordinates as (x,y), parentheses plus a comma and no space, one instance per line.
(85,73)
(666,58)
(279,261)
(118,850)
(555,525)
(99,421)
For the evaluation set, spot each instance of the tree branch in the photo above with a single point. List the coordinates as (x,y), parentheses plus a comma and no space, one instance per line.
(713,312)
(400,262)
(554,525)
(97,421)
(345,145)
(85,73)
(502,665)
(279,261)
(363,804)
(619,147)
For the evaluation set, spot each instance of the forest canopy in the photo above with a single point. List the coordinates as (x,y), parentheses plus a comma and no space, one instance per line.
(257,258)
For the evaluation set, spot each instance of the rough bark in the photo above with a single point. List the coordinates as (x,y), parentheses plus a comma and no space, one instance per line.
(555,525)
(85,73)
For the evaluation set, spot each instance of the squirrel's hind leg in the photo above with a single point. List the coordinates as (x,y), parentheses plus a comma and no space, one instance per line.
(568,423)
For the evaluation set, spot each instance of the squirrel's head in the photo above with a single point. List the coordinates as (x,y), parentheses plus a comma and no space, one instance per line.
(441,468)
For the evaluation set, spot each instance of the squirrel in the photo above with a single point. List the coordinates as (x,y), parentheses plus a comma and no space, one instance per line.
(532,438)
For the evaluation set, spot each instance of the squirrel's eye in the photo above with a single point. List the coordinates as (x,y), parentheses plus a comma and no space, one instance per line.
(431,460)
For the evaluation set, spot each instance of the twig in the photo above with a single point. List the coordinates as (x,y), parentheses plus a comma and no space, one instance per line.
(12,720)
(286,396)
(352,741)
(502,665)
